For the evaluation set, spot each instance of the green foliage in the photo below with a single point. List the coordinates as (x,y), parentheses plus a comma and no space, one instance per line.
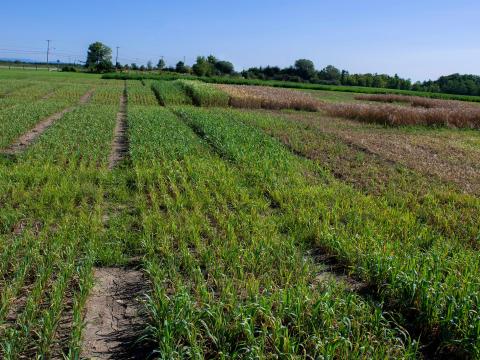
(224,68)
(69,69)
(161,64)
(305,69)
(210,66)
(454,84)
(231,227)
(182,68)
(202,67)
(227,279)
(411,265)
(204,94)
(331,73)
(52,193)
(99,58)
(171,93)
(140,94)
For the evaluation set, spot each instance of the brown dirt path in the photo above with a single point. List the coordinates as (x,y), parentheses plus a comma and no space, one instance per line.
(28,138)
(114,320)
(120,140)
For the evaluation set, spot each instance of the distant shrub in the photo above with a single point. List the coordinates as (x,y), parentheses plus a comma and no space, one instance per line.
(69,69)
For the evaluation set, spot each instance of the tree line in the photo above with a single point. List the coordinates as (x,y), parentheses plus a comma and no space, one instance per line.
(99,59)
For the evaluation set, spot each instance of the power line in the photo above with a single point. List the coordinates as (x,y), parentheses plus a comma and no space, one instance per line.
(52,52)
(48,49)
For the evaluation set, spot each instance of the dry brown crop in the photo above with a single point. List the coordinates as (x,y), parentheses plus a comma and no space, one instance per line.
(460,117)
(259,97)
(417,101)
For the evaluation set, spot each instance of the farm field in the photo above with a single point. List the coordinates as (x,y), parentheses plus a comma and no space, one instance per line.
(234,222)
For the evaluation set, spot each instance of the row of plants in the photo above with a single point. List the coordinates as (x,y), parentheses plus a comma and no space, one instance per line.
(392,115)
(444,207)
(412,267)
(229,277)
(51,234)
(205,95)
(141,94)
(291,85)
(171,93)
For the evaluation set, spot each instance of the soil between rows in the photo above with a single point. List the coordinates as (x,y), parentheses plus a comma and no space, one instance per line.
(114,316)
(120,140)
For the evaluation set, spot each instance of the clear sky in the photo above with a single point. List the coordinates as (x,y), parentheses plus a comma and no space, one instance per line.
(418,39)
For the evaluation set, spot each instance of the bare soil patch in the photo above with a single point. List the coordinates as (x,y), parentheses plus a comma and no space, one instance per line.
(336,271)
(28,138)
(114,316)
(120,140)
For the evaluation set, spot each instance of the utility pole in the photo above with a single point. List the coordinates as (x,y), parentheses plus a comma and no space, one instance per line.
(48,51)
(116,57)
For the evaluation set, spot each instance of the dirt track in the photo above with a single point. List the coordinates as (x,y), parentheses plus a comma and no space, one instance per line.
(120,140)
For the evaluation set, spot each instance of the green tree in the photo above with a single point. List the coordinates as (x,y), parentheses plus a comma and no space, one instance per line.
(212,59)
(305,69)
(161,64)
(203,67)
(99,57)
(149,65)
(330,73)
(224,67)
(181,68)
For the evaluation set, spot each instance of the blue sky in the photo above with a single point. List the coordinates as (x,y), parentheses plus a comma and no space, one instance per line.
(420,39)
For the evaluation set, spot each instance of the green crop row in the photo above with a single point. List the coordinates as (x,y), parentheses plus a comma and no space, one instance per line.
(227,279)
(7,87)
(140,94)
(16,120)
(170,93)
(108,94)
(35,91)
(412,266)
(441,206)
(51,234)
(86,135)
(205,95)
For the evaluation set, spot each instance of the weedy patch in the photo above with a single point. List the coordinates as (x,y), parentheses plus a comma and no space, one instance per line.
(418,101)
(259,97)
(458,117)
